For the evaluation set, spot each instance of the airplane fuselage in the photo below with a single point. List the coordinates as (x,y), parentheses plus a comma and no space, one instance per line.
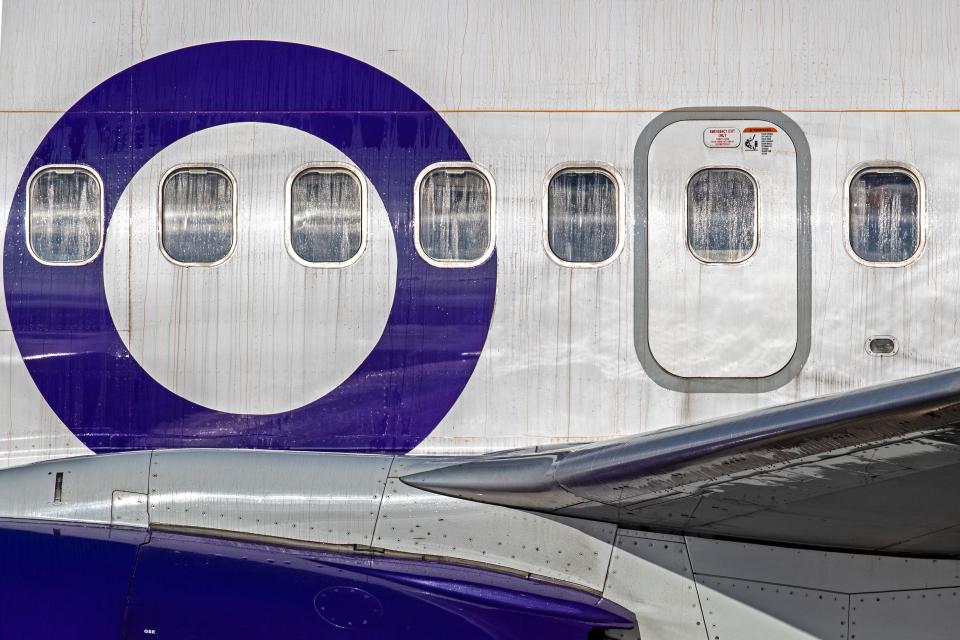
(263,252)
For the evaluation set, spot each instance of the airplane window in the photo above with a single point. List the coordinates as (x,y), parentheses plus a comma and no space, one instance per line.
(454,216)
(583,215)
(326,215)
(65,215)
(722,215)
(884,215)
(197,215)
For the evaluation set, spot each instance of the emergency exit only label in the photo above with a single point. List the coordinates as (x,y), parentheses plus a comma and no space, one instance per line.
(721,137)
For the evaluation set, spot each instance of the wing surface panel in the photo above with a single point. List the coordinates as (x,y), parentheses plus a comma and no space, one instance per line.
(874,469)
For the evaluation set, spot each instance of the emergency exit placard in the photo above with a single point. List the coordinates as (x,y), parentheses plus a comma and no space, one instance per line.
(721,137)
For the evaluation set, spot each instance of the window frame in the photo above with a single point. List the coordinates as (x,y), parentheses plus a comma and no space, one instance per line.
(455,264)
(585,167)
(28,209)
(756,216)
(886,166)
(288,212)
(163,181)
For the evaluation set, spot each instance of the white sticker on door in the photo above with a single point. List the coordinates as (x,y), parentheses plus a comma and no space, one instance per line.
(759,139)
(721,137)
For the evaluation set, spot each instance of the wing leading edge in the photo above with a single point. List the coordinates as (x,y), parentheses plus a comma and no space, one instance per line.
(875,469)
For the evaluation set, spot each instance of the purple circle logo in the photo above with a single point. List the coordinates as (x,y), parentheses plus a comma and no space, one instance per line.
(437,325)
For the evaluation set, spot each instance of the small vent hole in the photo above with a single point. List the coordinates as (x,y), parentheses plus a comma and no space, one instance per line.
(58,487)
(882,346)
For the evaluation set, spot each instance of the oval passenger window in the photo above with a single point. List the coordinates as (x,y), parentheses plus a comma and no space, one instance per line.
(454,216)
(197,215)
(722,214)
(65,215)
(884,216)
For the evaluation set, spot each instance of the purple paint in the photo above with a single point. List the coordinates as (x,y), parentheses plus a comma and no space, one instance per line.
(84,581)
(65,580)
(210,588)
(436,328)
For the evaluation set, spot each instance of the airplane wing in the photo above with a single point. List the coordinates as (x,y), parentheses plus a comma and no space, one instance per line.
(877,469)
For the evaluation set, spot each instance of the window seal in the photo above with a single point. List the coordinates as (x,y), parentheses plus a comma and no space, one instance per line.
(26,224)
(288,213)
(602,167)
(756,217)
(163,181)
(886,166)
(455,264)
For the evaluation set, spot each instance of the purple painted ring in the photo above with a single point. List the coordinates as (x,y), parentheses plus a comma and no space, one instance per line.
(59,315)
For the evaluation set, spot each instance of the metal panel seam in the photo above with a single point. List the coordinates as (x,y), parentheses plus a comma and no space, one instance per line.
(383,493)
(149,476)
(131,583)
(696,587)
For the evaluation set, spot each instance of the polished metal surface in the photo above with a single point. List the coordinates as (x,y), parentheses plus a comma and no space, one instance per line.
(559,351)
(651,575)
(735,608)
(929,613)
(101,489)
(676,586)
(858,461)
(763,591)
(424,523)
(326,498)
(346,500)
(644,338)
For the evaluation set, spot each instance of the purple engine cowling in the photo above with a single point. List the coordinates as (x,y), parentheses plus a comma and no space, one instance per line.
(67,580)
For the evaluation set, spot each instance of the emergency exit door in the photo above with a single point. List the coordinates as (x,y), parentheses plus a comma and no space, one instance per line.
(723,255)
